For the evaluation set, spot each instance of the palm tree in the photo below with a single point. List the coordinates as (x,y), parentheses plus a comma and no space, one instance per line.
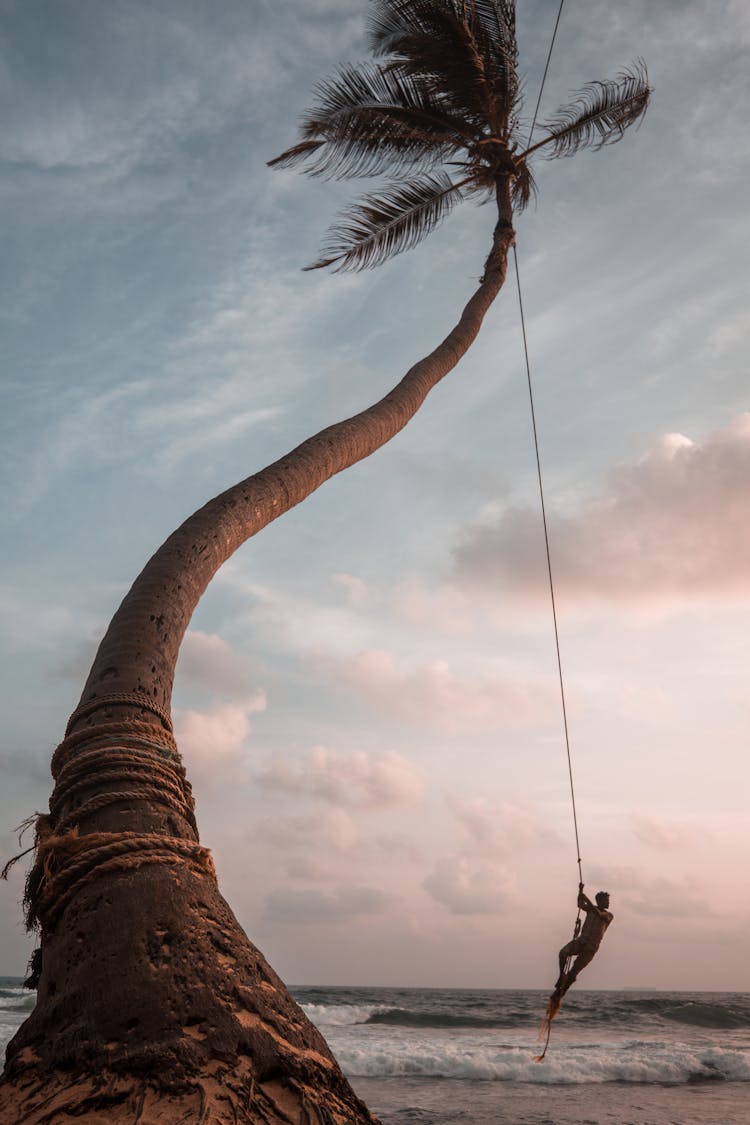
(445,94)
(150,996)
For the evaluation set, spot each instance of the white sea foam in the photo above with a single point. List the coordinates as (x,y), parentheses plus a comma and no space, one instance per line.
(16,1003)
(647,1063)
(341,1015)
(7,1031)
(23,1001)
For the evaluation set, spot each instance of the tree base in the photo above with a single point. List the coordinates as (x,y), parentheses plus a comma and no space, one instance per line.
(224,1097)
(153,1006)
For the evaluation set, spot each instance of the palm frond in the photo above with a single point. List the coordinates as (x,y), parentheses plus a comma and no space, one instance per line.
(523,187)
(295,155)
(385,223)
(599,114)
(499,17)
(391,19)
(496,27)
(453,51)
(369,119)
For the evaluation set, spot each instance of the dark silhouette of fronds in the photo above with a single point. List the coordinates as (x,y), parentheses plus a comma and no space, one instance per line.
(598,115)
(443,92)
(387,222)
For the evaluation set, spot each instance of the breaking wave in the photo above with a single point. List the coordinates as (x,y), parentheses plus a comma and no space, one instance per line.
(695,1013)
(668,1039)
(17,1000)
(636,1012)
(644,1063)
(341,1015)
(401,1017)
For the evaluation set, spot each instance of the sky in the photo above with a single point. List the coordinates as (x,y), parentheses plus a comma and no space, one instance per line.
(367,698)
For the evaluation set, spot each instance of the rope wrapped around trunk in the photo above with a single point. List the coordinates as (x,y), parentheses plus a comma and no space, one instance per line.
(120,761)
(137,699)
(139,762)
(65,864)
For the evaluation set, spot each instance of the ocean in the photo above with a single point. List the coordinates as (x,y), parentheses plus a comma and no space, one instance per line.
(444,1056)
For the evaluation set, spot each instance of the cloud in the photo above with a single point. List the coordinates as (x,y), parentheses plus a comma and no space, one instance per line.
(356,589)
(651,897)
(27,616)
(469,886)
(213,741)
(83,427)
(451,479)
(368,781)
(326,828)
(432,695)
(446,609)
(664,899)
(139,103)
(666,835)
(78,658)
(398,847)
(474,881)
(240,332)
(212,434)
(207,661)
(307,867)
(498,828)
(303,907)
(26,765)
(673,525)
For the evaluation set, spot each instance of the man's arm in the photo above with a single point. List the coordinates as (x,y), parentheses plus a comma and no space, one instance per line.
(585,903)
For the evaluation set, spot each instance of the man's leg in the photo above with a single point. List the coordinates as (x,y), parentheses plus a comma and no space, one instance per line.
(569,950)
(581,961)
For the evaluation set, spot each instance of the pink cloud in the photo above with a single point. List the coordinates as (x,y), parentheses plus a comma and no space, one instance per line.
(469,886)
(330,828)
(307,868)
(667,835)
(447,609)
(498,827)
(433,695)
(343,904)
(209,662)
(371,781)
(636,892)
(675,524)
(664,899)
(214,740)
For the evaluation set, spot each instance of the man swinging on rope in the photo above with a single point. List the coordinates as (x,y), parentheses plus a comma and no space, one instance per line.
(584,947)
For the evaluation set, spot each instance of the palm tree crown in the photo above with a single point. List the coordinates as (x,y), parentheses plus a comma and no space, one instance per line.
(443,92)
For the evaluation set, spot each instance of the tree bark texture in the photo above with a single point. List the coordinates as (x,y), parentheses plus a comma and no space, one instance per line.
(153,1005)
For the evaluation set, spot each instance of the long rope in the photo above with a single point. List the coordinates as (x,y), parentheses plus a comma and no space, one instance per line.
(546,68)
(549,564)
(539,475)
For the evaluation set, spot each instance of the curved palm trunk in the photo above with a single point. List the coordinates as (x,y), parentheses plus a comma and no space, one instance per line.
(151,999)
(139,650)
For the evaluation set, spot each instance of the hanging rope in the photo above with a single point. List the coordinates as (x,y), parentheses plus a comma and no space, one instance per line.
(539,479)
(549,565)
(555,1000)
(544,76)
